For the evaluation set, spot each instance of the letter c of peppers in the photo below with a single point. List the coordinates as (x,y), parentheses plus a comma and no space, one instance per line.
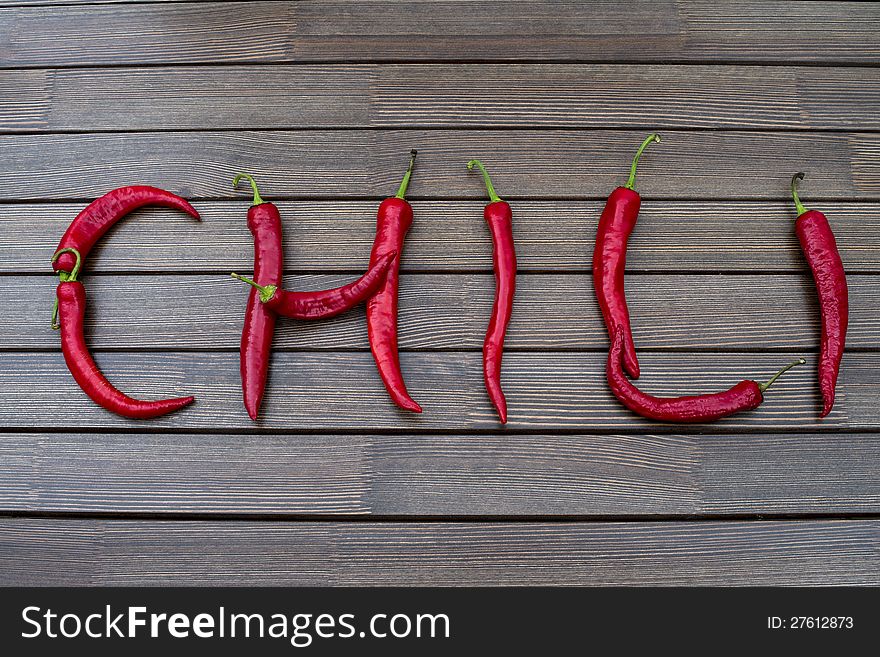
(70,303)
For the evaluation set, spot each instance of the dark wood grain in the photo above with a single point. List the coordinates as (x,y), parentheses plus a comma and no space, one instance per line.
(24,101)
(338,390)
(451,311)
(369,163)
(596,31)
(124,552)
(451,475)
(444,95)
(557,236)
(146,33)
(66,3)
(180,473)
(322,101)
(736,475)
(375,31)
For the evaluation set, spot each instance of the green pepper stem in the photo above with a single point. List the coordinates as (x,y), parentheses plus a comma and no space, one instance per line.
(66,277)
(797,201)
(632,170)
(764,386)
(257,198)
(266,291)
(489,188)
(401,191)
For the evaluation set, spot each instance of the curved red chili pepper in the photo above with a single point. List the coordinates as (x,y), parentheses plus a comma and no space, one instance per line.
(71,312)
(393,221)
(820,249)
(99,215)
(744,396)
(499,217)
(609,258)
(264,222)
(322,304)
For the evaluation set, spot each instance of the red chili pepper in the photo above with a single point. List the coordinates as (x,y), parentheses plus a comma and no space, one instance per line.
(394,219)
(609,258)
(71,311)
(744,396)
(325,303)
(264,222)
(99,215)
(499,217)
(820,249)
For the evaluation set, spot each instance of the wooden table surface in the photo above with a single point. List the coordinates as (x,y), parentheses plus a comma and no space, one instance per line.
(321,101)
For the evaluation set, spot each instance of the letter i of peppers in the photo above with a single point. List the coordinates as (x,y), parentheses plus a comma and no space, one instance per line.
(499,217)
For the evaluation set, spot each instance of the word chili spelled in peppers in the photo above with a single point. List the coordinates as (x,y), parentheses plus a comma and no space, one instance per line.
(378,289)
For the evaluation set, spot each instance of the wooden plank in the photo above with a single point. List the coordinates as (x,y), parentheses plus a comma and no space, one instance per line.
(444,95)
(625,475)
(369,163)
(42,3)
(451,311)
(451,475)
(376,31)
(340,390)
(786,472)
(624,96)
(595,31)
(147,33)
(185,474)
(557,236)
(125,552)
